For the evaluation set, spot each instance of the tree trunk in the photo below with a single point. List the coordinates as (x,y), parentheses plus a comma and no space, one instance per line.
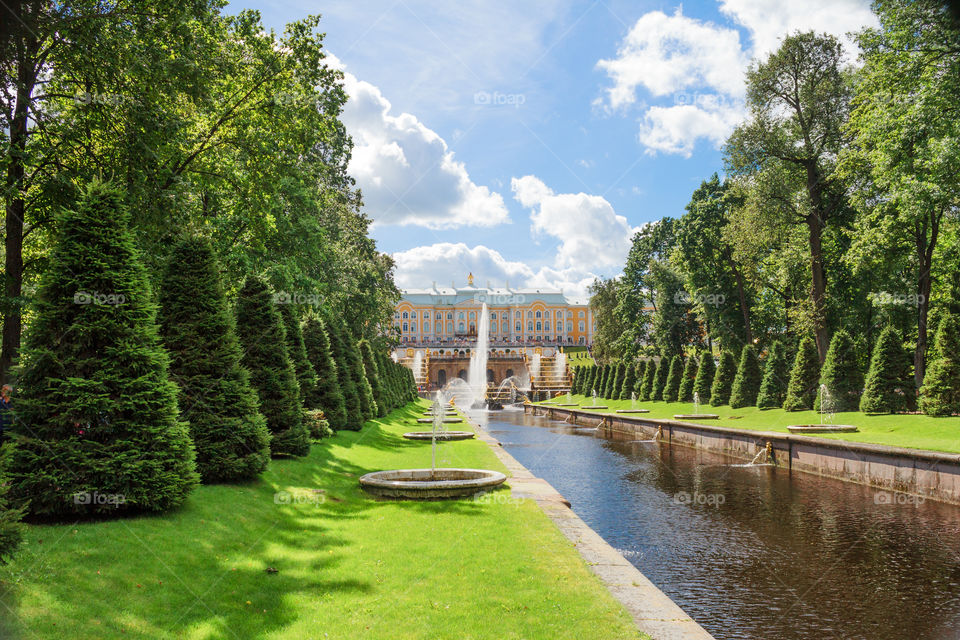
(13,240)
(924,285)
(741,293)
(816,221)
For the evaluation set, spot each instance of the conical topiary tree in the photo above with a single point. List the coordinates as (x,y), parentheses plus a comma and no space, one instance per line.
(306,376)
(373,376)
(746,385)
(590,384)
(940,393)
(609,380)
(602,379)
(841,375)
(629,381)
(723,380)
(705,374)
(263,340)
(619,373)
(660,379)
(339,348)
(325,394)
(685,394)
(672,388)
(640,372)
(649,380)
(776,376)
(96,426)
(889,386)
(229,433)
(804,377)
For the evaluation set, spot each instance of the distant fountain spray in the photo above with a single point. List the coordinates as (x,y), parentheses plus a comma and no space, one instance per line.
(477,373)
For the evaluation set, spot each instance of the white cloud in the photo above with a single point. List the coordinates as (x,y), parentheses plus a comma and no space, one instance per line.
(441,262)
(769,20)
(407,173)
(702,64)
(668,54)
(589,232)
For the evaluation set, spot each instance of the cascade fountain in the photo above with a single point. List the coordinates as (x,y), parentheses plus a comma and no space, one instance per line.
(417,363)
(696,415)
(534,368)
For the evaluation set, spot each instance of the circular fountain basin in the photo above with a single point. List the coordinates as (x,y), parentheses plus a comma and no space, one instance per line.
(633,411)
(696,416)
(441,435)
(445,420)
(822,428)
(426,484)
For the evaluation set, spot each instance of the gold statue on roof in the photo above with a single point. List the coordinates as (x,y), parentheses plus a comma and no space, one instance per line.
(470,279)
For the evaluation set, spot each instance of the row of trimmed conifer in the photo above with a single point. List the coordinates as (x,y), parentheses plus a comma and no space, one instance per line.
(125,405)
(887,387)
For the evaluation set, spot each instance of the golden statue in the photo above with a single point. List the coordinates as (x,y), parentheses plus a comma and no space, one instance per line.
(470,279)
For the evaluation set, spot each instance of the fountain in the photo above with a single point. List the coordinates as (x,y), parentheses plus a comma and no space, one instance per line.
(477,371)
(417,363)
(633,406)
(696,415)
(440,413)
(593,405)
(826,418)
(433,482)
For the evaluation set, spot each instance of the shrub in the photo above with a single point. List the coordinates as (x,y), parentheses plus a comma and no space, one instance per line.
(889,385)
(325,394)
(629,381)
(216,400)
(602,379)
(841,375)
(317,424)
(685,393)
(746,385)
(11,531)
(776,375)
(940,393)
(348,387)
(591,382)
(705,374)
(672,388)
(619,373)
(306,376)
(93,377)
(660,379)
(723,380)
(803,377)
(265,356)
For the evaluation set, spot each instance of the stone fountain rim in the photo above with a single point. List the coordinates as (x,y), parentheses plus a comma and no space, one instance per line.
(376,483)
(441,435)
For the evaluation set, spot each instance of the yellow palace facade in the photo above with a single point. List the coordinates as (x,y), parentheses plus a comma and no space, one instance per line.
(451,316)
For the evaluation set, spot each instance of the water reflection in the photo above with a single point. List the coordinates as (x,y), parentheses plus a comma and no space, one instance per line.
(755,552)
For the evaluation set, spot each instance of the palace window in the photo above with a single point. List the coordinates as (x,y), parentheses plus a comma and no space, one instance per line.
(449,327)
(539,315)
(581,314)
(413,327)
(405,315)
(426,327)
(581,325)
(529,326)
(449,315)
(473,327)
(504,316)
(406,326)
(460,326)
(539,326)
(439,316)
(529,314)
(460,316)
(413,314)
(396,316)
(493,316)
(546,326)
(473,315)
(518,314)
(569,327)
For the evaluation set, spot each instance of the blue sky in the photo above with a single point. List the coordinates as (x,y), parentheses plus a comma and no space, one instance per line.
(527,141)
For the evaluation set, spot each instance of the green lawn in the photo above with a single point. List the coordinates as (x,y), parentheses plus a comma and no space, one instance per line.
(914,431)
(348,566)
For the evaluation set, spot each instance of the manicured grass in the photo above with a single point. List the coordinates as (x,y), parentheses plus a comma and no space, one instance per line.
(913,431)
(578,356)
(348,566)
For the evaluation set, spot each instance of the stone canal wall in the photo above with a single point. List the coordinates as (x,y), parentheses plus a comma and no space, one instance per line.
(930,474)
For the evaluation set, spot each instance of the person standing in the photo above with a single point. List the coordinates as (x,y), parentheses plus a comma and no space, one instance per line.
(6,415)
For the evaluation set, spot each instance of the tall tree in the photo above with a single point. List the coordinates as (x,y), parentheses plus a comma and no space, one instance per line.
(906,127)
(889,385)
(798,101)
(776,376)
(326,394)
(306,376)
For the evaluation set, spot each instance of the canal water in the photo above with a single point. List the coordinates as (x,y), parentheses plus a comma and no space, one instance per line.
(755,552)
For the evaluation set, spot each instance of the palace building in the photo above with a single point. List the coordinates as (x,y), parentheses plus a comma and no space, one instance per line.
(450,316)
